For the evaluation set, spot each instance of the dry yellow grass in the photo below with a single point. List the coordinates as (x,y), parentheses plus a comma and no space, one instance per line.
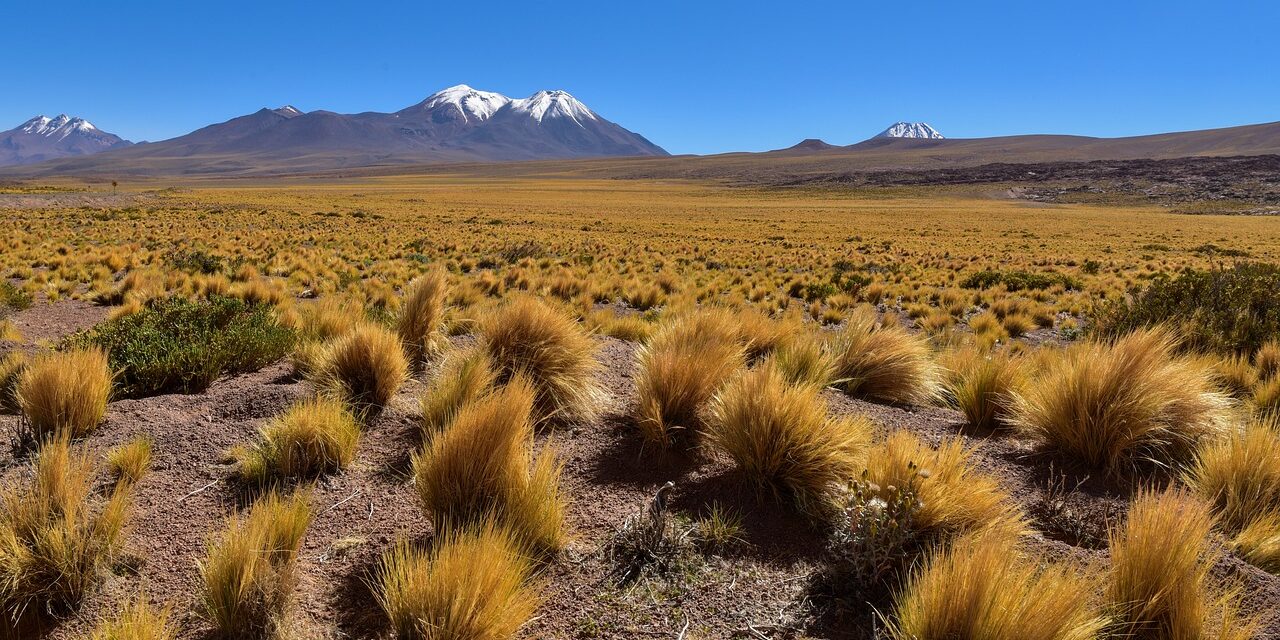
(465,376)
(131,460)
(473,584)
(65,392)
(956,498)
(483,468)
(780,436)
(421,316)
(249,572)
(364,367)
(1114,405)
(985,587)
(884,362)
(312,437)
(57,538)
(528,337)
(137,620)
(1159,584)
(983,385)
(678,371)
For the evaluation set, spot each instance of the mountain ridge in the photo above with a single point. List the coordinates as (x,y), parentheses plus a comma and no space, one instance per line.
(43,138)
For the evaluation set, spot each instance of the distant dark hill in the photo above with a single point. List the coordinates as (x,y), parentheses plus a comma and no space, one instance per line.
(458,124)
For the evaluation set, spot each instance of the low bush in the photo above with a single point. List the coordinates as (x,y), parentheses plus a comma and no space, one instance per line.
(883,362)
(474,583)
(1159,584)
(530,338)
(483,468)
(65,392)
(678,371)
(986,588)
(781,438)
(1230,310)
(312,437)
(178,345)
(58,538)
(1125,402)
(364,368)
(1019,280)
(250,571)
(12,298)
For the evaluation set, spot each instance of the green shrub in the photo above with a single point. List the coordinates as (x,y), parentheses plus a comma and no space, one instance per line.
(1232,310)
(181,345)
(12,297)
(1018,280)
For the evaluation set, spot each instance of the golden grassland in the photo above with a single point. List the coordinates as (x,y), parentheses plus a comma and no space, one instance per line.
(639,241)
(750,307)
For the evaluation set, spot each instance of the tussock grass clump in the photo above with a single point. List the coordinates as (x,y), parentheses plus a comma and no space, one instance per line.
(1259,542)
(180,345)
(1266,398)
(65,392)
(1124,402)
(422,315)
(364,367)
(1159,584)
(137,620)
(678,372)
(883,362)
(57,538)
(1240,475)
(474,583)
(983,385)
(130,461)
(465,376)
(955,497)
(11,367)
(985,588)
(804,360)
(250,571)
(527,337)
(483,468)
(312,437)
(329,318)
(1267,359)
(780,436)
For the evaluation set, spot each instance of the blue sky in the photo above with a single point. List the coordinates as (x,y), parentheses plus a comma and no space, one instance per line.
(694,77)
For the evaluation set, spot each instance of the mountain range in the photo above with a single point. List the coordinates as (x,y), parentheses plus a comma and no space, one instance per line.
(44,138)
(458,124)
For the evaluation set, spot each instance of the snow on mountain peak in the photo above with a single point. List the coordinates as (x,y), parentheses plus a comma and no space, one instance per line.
(288,111)
(911,130)
(479,105)
(554,104)
(61,126)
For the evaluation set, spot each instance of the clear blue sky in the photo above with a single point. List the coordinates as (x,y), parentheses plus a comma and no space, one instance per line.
(694,77)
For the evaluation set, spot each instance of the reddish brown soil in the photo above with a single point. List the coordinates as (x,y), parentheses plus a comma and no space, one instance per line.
(764,589)
(47,323)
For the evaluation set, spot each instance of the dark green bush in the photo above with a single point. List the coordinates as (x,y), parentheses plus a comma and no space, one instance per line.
(181,345)
(197,261)
(12,297)
(1232,310)
(1018,280)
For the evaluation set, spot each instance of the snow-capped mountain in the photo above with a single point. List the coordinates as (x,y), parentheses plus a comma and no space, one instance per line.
(920,130)
(457,124)
(44,138)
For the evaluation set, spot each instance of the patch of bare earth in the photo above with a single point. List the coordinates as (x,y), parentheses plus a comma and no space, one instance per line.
(763,589)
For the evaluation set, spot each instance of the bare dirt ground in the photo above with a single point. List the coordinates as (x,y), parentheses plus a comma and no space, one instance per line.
(1245,185)
(64,199)
(762,589)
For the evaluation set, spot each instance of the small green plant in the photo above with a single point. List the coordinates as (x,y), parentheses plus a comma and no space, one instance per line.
(875,536)
(648,541)
(12,297)
(182,345)
(130,461)
(720,529)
